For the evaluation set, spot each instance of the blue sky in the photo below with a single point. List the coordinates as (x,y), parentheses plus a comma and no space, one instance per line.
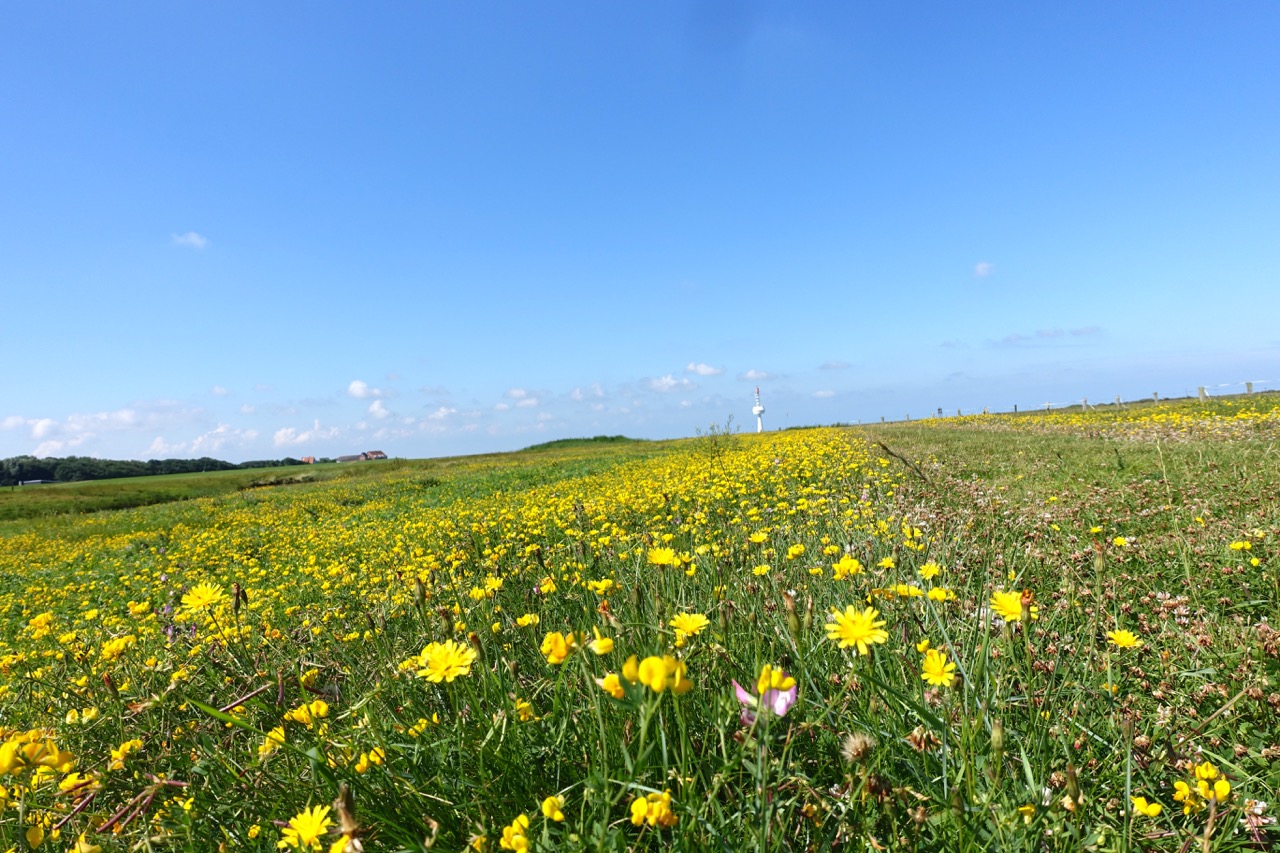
(252,230)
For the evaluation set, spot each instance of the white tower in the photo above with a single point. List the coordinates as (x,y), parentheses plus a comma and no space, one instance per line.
(758,410)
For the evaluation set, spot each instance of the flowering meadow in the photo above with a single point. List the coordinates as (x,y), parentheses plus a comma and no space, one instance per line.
(996,633)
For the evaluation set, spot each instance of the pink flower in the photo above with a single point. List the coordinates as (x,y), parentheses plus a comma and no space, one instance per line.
(778,694)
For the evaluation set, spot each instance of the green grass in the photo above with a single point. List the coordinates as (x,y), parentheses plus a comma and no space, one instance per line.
(1040,744)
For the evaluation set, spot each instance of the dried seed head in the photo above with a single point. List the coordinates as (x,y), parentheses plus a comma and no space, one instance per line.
(857,747)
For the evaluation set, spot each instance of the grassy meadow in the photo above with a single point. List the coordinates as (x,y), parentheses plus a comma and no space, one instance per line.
(1047,631)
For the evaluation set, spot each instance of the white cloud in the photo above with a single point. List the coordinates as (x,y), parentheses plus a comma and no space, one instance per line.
(670,383)
(159,447)
(501,407)
(247,409)
(834,365)
(190,240)
(219,391)
(701,369)
(526,402)
(264,387)
(13,422)
(982,269)
(580,394)
(824,394)
(378,410)
(1084,331)
(291,436)
(361,390)
(516,394)
(43,427)
(755,375)
(441,413)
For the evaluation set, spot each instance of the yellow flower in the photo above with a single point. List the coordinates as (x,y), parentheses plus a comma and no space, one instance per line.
(273,741)
(659,673)
(795,551)
(1123,639)
(662,556)
(556,647)
(528,619)
(600,587)
(203,596)
(1120,542)
(1008,606)
(773,679)
(929,571)
(305,829)
(513,837)
(553,808)
(1142,807)
(612,685)
(653,809)
(601,645)
(445,661)
(940,594)
(854,629)
(936,669)
(886,563)
(688,625)
(758,538)
(846,566)
(84,845)
(524,710)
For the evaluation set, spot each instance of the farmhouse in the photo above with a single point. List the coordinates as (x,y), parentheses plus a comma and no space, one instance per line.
(363,457)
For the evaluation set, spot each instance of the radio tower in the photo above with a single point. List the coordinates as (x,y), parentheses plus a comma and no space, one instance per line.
(758,410)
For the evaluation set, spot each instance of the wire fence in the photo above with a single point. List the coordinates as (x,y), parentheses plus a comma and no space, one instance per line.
(1222,389)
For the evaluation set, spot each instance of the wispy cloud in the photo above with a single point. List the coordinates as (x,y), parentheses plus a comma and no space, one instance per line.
(755,375)
(822,395)
(668,383)
(701,369)
(219,391)
(290,436)
(580,394)
(1084,331)
(190,240)
(378,410)
(982,269)
(834,365)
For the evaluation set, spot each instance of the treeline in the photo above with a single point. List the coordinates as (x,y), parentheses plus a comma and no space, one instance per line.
(17,469)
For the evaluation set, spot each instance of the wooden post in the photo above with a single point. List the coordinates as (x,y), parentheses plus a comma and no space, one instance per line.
(1203,394)
(1015,408)
(1155,396)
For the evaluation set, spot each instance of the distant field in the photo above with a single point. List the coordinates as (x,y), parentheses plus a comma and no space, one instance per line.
(1043,632)
(19,504)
